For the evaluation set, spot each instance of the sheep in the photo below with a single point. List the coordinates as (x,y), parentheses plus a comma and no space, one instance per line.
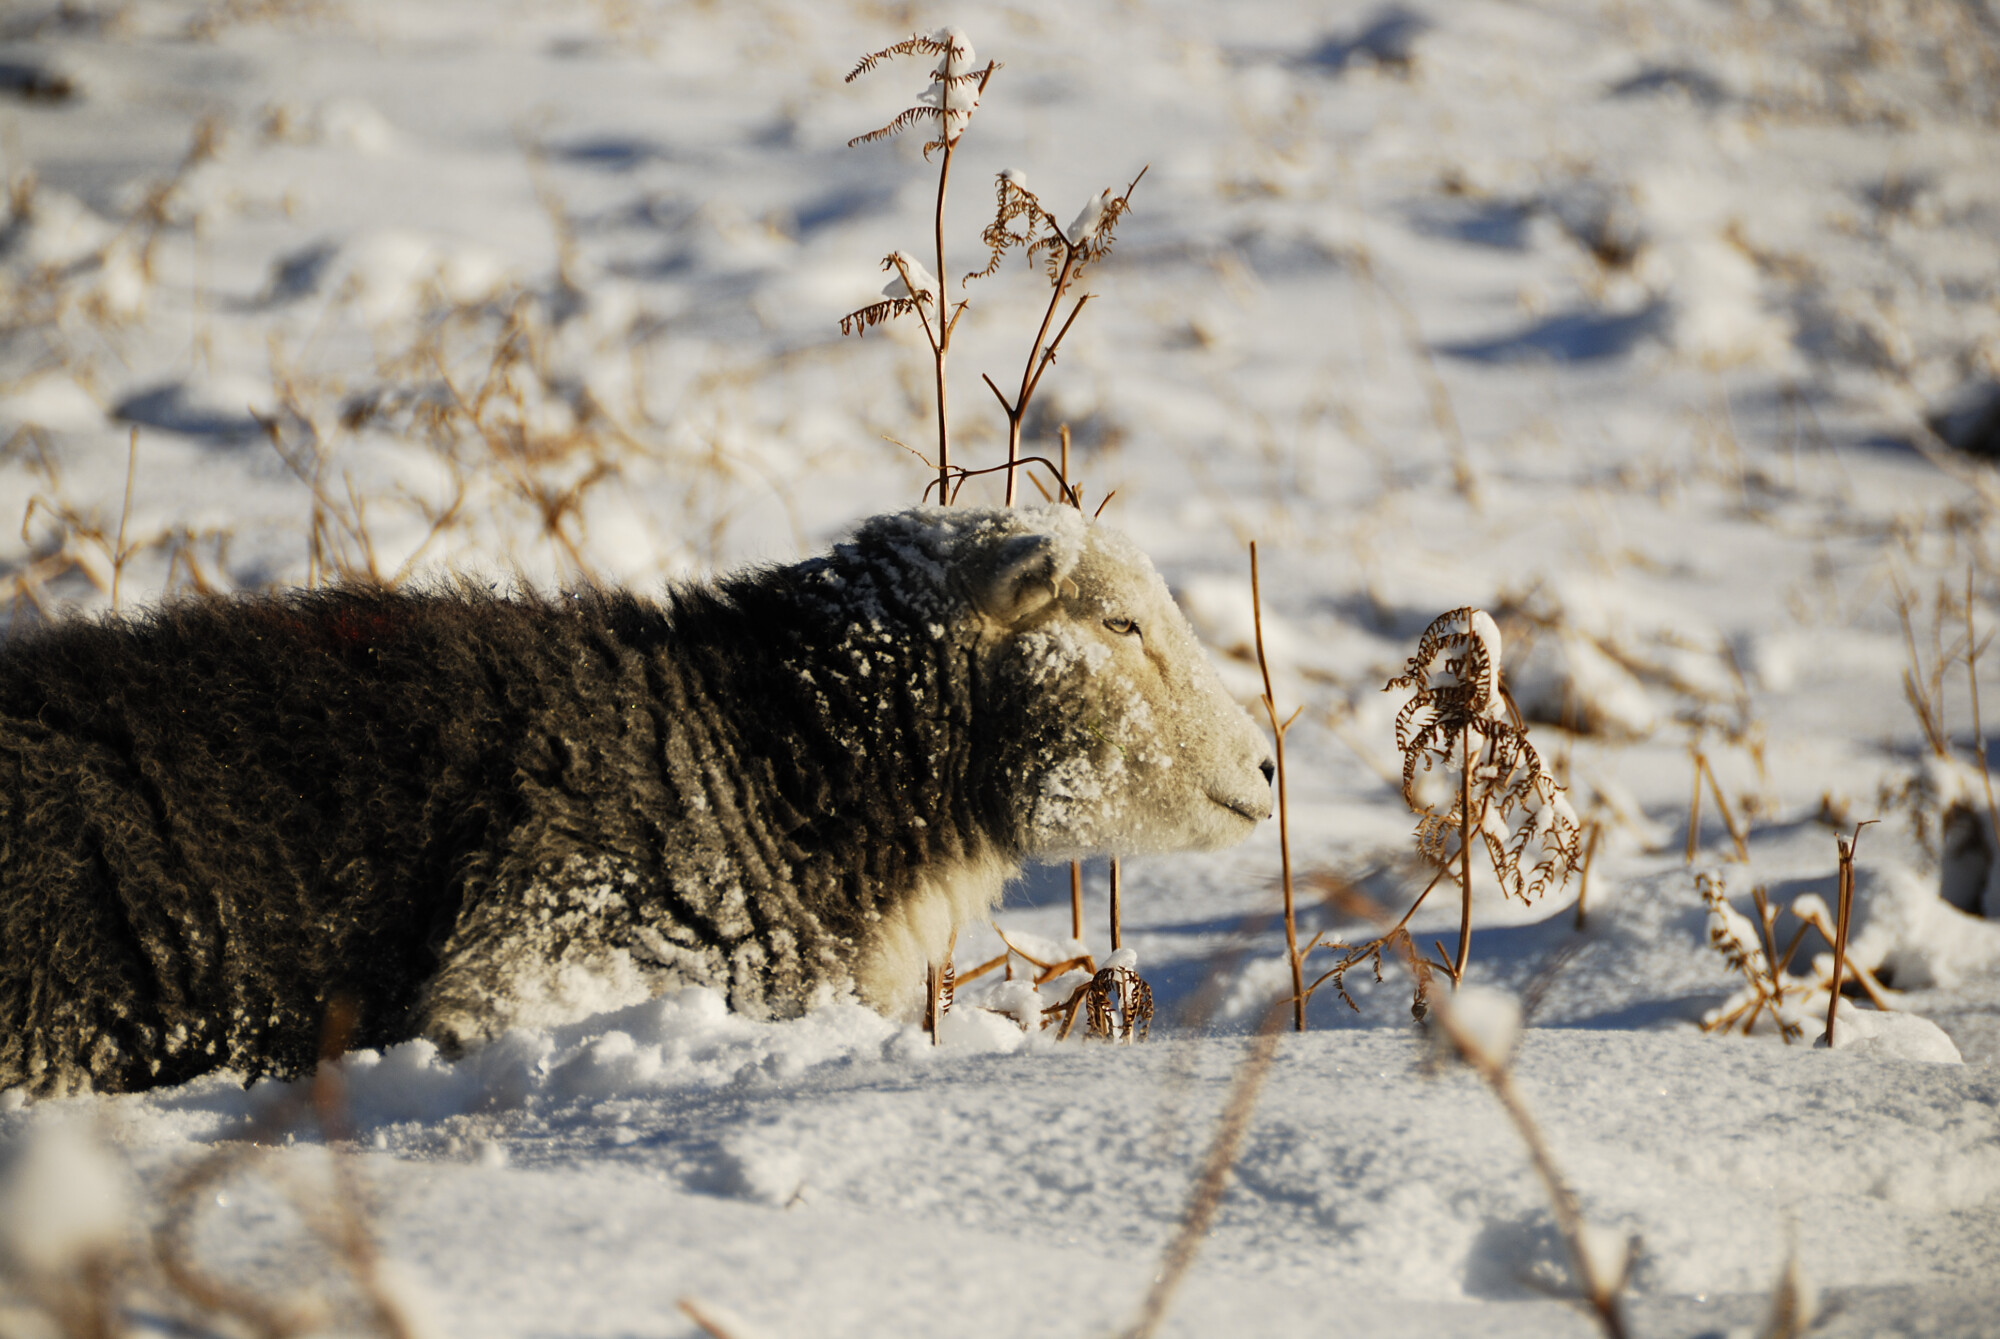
(464,811)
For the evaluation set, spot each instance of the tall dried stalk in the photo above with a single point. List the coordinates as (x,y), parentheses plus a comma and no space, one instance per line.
(120,551)
(1117,889)
(1704,771)
(1067,251)
(1843,914)
(956,89)
(1278,729)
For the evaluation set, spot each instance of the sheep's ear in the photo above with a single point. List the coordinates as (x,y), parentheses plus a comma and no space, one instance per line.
(1020,577)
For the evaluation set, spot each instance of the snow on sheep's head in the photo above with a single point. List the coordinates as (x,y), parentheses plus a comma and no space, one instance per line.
(1108,729)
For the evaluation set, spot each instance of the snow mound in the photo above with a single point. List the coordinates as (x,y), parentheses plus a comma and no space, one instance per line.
(1890,1036)
(685,1041)
(63,1196)
(1905,930)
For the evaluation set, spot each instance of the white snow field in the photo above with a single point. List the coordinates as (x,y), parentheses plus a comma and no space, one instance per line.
(1641,326)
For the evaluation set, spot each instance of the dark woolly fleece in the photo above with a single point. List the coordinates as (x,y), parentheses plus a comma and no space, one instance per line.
(219,815)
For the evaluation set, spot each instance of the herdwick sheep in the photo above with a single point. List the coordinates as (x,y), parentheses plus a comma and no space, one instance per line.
(463,811)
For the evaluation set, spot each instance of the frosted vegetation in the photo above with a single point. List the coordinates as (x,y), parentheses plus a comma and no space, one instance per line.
(1661,342)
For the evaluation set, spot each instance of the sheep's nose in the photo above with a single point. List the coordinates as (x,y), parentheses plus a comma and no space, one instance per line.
(1269,769)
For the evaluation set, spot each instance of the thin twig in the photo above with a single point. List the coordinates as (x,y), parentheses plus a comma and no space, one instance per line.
(1722,806)
(1694,807)
(1284,827)
(1583,883)
(120,553)
(1846,847)
(1117,939)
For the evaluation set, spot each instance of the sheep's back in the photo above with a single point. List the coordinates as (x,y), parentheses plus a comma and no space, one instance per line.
(201,810)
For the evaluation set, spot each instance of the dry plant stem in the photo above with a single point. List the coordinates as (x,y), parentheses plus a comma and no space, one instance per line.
(1767,922)
(1843,914)
(941,342)
(1583,884)
(708,1324)
(1049,971)
(1464,860)
(1042,352)
(973,974)
(1569,1215)
(1017,412)
(930,1001)
(1284,826)
(958,474)
(1373,947)
(1979,728)
(1694,809)
(1722,807)
(1117,940)
(1871,986)
(1076,900)
(1206,1197)
(120,552)
(1925,690)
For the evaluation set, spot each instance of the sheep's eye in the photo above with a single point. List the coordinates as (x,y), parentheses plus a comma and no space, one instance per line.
(1124,627)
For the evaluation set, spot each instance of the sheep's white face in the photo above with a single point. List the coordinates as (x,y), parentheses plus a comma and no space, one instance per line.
(1130,743)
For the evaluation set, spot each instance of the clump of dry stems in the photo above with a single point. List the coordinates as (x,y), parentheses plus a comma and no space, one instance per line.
(1751,950)
(1459,723)
(1020,221)
(1950,639)
(1115,1002)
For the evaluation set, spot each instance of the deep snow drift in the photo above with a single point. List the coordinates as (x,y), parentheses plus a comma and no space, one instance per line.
(1636,326)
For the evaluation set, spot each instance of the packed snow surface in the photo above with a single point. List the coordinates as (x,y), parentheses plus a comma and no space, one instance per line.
(1667,335)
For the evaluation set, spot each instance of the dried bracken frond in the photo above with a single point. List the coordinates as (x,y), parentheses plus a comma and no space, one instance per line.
(911,289)
(916,44)
(1013,202)
(1021,220)
(1457,715)
(953,94)
(857,322)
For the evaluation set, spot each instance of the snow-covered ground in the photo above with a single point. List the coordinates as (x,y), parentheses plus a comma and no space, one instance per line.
(1624,322)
